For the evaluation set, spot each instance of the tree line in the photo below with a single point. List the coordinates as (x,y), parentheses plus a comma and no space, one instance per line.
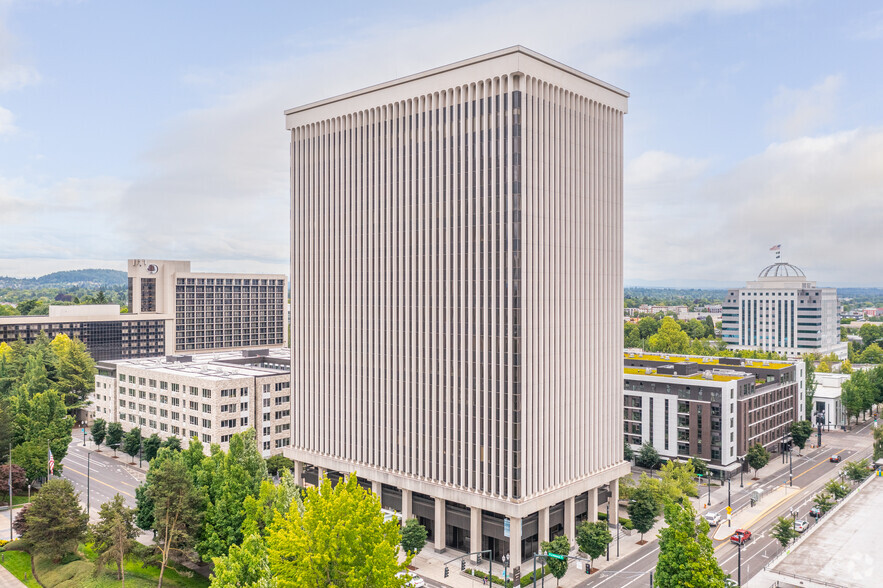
(41,385)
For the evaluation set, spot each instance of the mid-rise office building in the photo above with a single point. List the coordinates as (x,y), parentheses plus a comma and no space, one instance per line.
(171,310)
(457,242)
(713,408)
(209,396)
(783,312)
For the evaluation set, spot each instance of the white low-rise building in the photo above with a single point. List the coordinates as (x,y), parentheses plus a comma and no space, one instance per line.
(209,396)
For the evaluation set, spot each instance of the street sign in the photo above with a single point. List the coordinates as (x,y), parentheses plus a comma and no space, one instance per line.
(505,527)
(729,510)
(556,556)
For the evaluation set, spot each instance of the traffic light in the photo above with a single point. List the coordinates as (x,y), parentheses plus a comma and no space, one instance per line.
(462,565)
(588,569)
(478,559)
(446,571)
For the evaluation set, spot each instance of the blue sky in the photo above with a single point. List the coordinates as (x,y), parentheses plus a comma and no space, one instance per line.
(155,129)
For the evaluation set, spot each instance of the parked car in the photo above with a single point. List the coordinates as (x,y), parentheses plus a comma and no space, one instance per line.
(414,581)
(800,525)
(730,583)
(740,537)
(815,512)
(835,458)
(713,518)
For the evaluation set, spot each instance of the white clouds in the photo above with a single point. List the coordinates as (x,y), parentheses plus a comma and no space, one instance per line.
(7,125)
(797,112)
(16,76)
(821,197)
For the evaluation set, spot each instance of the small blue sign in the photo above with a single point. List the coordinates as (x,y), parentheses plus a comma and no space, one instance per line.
(505,527)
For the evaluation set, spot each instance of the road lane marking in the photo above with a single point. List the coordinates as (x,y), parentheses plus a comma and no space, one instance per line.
(100,482)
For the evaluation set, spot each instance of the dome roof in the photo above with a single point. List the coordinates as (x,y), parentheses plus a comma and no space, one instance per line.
(781,270)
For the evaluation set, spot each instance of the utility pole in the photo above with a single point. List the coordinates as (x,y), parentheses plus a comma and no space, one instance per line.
(608,524)
(88,483)
(10,492)
(790,468)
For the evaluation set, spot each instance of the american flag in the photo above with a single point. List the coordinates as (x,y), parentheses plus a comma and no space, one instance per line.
(775,248)
(51,463)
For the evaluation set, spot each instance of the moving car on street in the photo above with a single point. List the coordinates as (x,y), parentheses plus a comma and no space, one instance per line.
(740,537)
(815,512)
(713,518)
(835,458)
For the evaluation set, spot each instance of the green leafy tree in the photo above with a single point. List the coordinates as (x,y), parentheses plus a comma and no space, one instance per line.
(55,521)
(784,531)
(857,470)
(709,326)
(836,489)
(878,442)
(132,442)
(699,466)
(229,478)
(811,384)
(272,500)
(144,508)
(114,535)
(695,328)
(560,545)
(278,462)
(99,432)
(823,368)
(686,554)
(677,480)
(757,457)
(846,367)
(631,335)
(647,327)
(172,443)
(644,507)
(823,501)
(872,354)
(339,538)
(75,370)
(593,539)
(176,504)
(669,338)
(869,333)
(801,431)
(150,447)
(648,457)
(33,457)
(413,536)
(114,436)
(245,566)
(628,453)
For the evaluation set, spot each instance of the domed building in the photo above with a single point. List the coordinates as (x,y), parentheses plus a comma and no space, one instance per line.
(784,312)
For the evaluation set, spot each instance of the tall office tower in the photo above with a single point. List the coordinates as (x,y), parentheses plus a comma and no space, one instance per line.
(457,288)
(783,312)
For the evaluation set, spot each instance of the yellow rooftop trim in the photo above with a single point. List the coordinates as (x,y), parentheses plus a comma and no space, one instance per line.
(674,358)
(639,371)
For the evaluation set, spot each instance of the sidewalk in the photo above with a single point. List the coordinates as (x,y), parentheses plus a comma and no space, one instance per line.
(7,580)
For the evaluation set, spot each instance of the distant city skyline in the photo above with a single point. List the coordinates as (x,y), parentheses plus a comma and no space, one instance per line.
(156,131)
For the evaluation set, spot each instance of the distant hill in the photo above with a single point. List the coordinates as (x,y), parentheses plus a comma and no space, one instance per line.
(83,277)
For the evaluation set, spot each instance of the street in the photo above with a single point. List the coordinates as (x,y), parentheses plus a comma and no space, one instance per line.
(109,476)
(810,473)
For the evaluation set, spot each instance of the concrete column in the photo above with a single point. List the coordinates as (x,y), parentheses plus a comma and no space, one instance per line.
(570,518)
(322,473)
(376,488)
(515,543)
(298,473)
(543,524)
(406,505)
(439,525)
(474,531)
(614,497)
(593,505)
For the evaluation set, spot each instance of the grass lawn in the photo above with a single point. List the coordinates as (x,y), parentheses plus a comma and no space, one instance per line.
(19,562)
(16,500)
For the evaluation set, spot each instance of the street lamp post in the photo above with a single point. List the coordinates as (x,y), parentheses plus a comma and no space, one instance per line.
(88,483)
(608,525)
(84,433)
(741,472)
(506,567)
(790,468)
(729,495)
(140,448)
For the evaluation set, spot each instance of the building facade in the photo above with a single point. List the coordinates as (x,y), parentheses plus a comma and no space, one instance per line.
(457,242)
(209,396)
(713,408)
(171,310)
(785,313)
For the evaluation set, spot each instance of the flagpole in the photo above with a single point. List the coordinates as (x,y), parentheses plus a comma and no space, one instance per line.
(48,459)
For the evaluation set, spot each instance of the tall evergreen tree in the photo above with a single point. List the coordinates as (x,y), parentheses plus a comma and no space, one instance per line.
(114,535)
(55,521)
(114,436)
